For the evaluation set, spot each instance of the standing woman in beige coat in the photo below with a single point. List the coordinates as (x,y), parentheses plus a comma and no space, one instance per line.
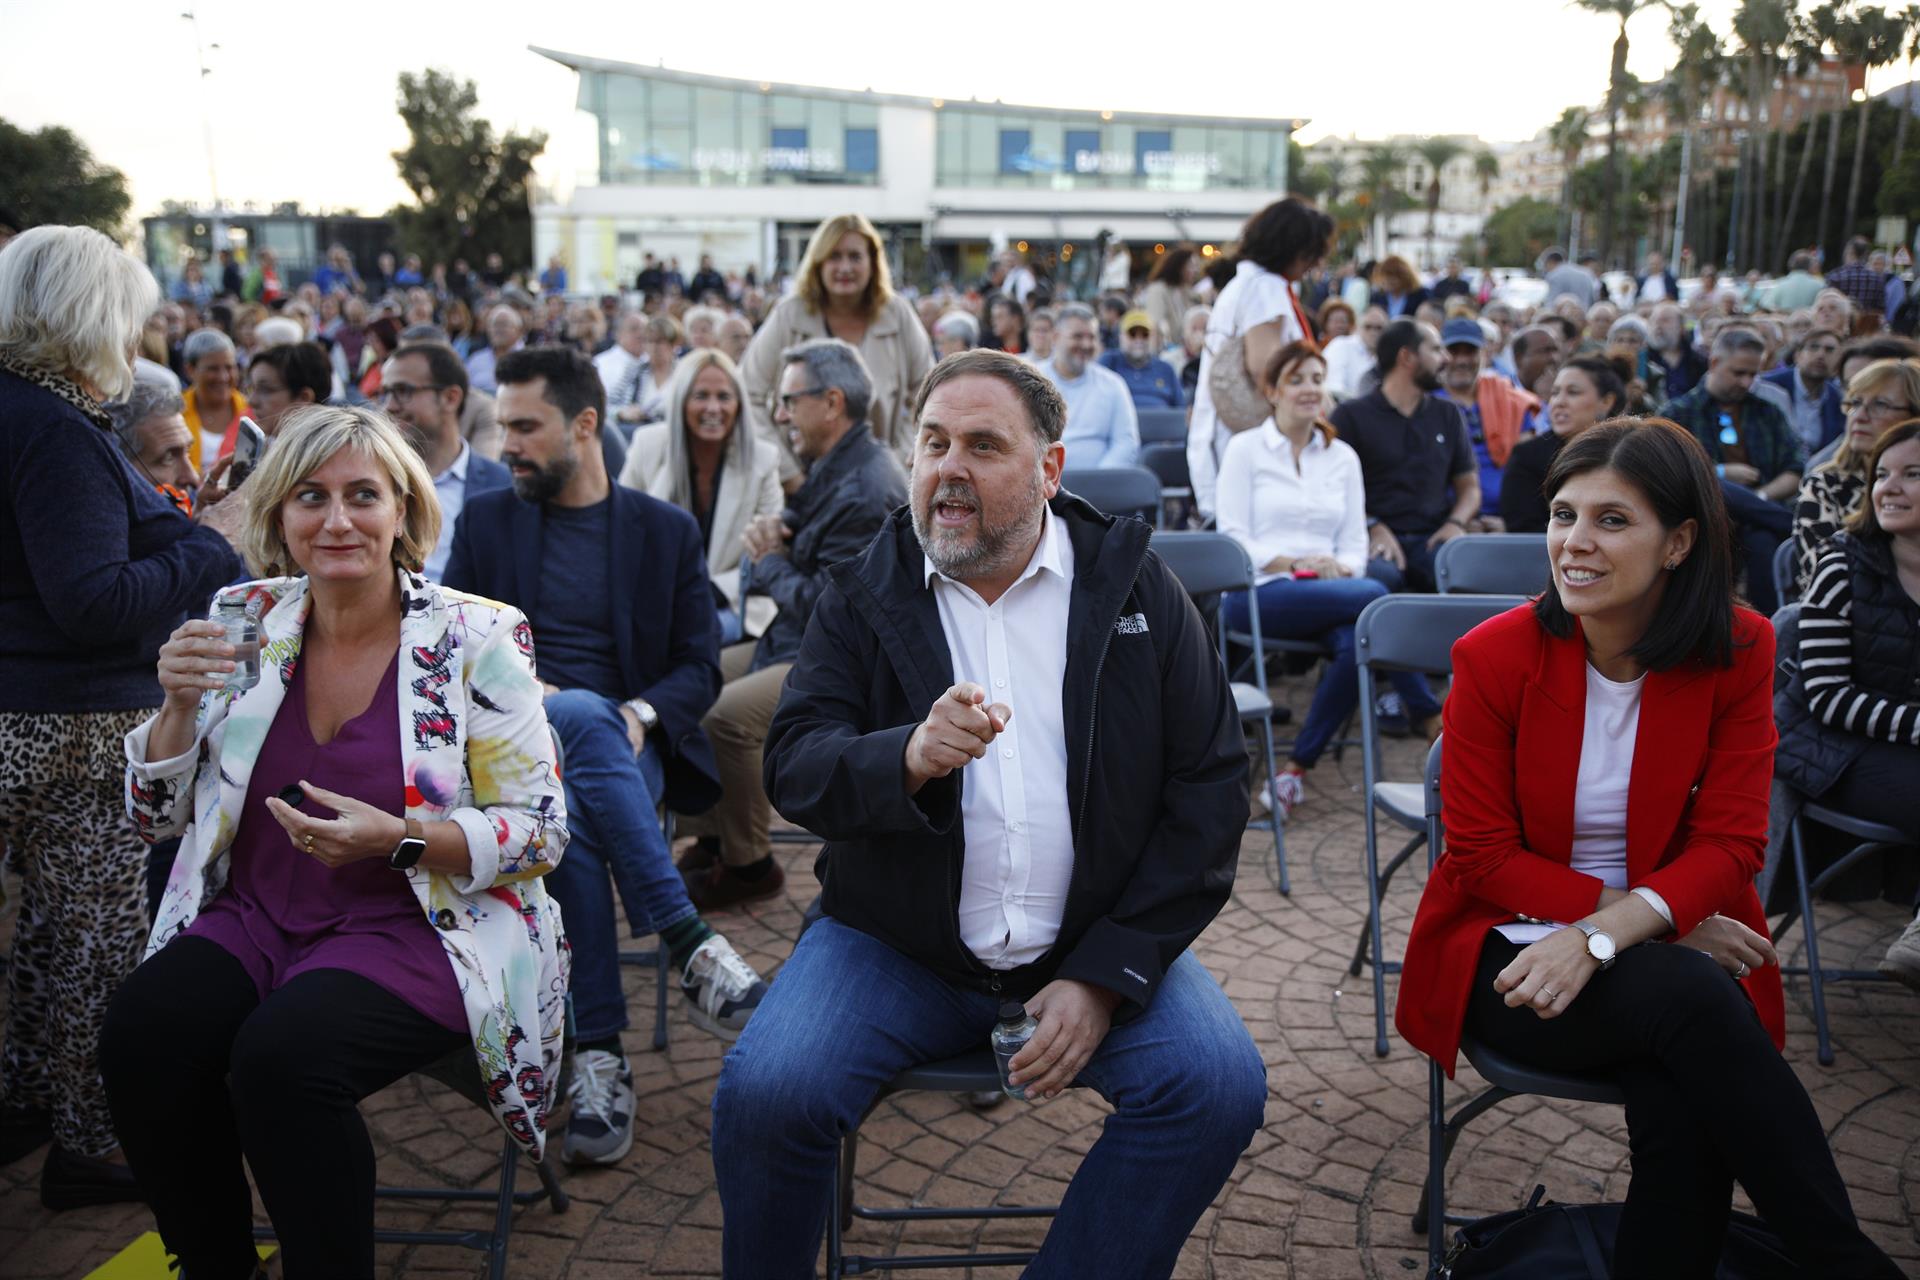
(705,461)
(845,292)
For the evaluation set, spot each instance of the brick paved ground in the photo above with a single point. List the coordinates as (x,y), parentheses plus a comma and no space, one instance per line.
(1325,1190)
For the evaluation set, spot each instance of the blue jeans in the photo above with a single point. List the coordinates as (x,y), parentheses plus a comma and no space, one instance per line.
(1323,609)
(847,1013)
(1760,525)
(613,840)
(732,630)
(1417,576)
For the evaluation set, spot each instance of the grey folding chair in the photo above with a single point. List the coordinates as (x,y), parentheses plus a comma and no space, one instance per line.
(1208,564)
(1505,1077)
(1506,564)
(1169,462)
(1162,426)
(1783,589)
(1118,491)
(1872,837)
(1401,633)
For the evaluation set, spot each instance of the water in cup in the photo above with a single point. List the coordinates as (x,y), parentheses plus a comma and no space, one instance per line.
(243,633)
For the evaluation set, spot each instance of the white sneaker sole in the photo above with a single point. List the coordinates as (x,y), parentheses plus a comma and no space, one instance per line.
(712,1025)
(614,1157)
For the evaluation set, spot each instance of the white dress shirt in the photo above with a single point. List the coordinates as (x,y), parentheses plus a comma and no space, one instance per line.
(450,486)
(1013,801)
(1272,508)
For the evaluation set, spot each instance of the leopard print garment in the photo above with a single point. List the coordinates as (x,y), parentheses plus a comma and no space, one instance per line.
(83,922)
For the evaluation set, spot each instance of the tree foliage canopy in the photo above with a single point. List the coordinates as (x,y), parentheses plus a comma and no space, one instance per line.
(49,177)
(470,187)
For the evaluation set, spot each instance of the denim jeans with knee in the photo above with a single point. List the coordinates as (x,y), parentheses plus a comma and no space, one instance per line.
(847,1013)
(614,840)
(1417,576)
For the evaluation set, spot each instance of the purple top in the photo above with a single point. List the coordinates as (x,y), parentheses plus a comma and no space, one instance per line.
(283,913)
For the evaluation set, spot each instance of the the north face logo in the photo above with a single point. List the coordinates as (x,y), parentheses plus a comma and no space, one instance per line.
(1133,624)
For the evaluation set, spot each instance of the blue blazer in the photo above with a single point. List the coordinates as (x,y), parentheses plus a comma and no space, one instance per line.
(665,627)
(484,475)
(1833,419)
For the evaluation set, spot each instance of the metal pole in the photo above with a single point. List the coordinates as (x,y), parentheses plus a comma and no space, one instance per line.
(1680,205)
(206,126)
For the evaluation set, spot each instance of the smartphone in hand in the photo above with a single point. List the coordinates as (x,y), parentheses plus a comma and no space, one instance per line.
(249,445)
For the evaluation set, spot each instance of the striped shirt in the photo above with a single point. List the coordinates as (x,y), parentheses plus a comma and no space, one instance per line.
(1826,662)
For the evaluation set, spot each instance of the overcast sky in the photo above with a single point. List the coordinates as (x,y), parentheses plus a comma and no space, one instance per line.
(302,96)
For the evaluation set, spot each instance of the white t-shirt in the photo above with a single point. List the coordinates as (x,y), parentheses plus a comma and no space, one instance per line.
(1348,361)
(1255,296)
(1600,793)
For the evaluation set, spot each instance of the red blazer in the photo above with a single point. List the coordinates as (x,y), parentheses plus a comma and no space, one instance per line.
(1696,806)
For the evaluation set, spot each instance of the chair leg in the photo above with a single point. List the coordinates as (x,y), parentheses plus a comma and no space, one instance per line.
(557,1198)
(1430,1215)
(840,1211)
(1386,879)
(1424,1219)
(1373,928)
(503,1213)
(660,997)
(1797,833)
(1279,842)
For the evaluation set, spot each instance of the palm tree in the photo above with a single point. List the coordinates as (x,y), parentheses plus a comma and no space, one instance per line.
(1616,85)
(1763,28)
(1697,59)
(1879,46)
(1438,153)
(1382,178)
(1835,24)
(1486,167)
(1910,22)
(1568,136)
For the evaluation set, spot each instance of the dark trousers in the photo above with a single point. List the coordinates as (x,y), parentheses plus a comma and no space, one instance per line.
(1417,576)
(1709,1101)
(1760,525)
(200,1072)
(1877,786)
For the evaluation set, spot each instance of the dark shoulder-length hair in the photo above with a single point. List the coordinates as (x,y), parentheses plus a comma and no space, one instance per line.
(1695,619)
(1864,523)
(1287,234)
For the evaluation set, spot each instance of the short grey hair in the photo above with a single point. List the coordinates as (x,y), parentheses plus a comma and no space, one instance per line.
(202,343)
(836,365)
(1630,324)
(1077,311)
(1046,409)
(74,302)
(958,324)
(1733,340)
(147,401)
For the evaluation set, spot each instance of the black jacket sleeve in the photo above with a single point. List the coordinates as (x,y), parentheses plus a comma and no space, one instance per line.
(1521,506)
(823,768)
(846,530)
(1185,872)
(692,681)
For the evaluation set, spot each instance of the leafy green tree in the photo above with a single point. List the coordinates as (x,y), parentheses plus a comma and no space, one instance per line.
(1568,136)
(1517,234)
(1622,11)
(470,186)
(1438,153)
(50,178)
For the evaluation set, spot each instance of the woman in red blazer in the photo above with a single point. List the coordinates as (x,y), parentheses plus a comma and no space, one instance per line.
(1606,768)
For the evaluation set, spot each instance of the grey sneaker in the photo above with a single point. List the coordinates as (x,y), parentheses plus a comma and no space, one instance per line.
(722,988)
(1902,961)
(601,1093)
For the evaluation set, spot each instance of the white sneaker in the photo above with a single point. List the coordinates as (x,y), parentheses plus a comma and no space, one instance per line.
(1286,790)
(722,988)
(600,1130)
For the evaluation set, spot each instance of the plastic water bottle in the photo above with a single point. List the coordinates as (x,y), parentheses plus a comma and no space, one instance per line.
(243,633)
(1010,1035)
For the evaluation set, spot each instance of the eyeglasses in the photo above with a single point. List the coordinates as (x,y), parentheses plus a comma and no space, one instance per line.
(787,398)
(404,390)
(1875,408)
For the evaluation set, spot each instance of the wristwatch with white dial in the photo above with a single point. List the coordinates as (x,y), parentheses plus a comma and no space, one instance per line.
(649,718)
(1599,944)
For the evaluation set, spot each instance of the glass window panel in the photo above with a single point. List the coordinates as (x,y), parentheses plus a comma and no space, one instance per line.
(1015,151)
(950,148)
(1045,149)
(1082,147)
(861,114)
(1150,156)
(672,104)
(983,144)
(863,151)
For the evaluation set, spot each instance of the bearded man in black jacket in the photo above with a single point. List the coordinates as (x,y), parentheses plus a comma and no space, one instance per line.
(1009,725)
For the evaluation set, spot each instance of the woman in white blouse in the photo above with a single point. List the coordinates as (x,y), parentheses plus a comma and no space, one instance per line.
(1291,494)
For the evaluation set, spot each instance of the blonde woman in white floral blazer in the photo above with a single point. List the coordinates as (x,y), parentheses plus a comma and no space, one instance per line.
(358,890)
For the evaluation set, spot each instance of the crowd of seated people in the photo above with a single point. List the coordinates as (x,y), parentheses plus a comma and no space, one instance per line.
(723,553)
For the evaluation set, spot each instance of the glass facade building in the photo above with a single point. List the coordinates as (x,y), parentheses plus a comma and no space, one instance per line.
(1003,148)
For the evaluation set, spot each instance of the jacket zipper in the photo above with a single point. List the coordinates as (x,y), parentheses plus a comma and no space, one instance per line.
(1093,706)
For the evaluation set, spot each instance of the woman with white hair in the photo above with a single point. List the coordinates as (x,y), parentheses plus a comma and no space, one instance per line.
(214,403)
(364,826)
(95,569)
(954,332)
(706,460)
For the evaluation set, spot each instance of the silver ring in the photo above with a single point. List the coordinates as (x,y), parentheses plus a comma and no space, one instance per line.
(1741,972)
(1550,994)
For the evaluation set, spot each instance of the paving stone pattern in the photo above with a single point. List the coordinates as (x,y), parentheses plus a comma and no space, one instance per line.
(1324,1193)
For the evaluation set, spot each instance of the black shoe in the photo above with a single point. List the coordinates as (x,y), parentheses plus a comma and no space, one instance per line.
(701,857)
(23,1131)
(68,1181)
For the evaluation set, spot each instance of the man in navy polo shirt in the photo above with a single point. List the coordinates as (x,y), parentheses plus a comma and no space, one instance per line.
(1150,380)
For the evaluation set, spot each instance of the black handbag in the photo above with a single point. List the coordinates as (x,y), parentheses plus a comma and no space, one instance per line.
(1575,1242)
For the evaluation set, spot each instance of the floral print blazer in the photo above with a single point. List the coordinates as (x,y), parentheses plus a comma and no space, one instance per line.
(477,751)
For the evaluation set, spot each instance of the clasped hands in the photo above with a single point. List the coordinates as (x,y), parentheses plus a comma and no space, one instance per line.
(1549,974)
(765,536)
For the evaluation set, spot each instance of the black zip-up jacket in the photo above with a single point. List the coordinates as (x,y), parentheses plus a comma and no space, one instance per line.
(1156,766)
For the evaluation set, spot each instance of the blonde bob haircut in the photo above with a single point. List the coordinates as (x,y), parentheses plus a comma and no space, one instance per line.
(308,437)
(813,286)
(1902,376)
(73,303)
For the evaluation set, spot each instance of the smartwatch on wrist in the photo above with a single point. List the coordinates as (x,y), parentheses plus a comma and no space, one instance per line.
(406,855)
(1599,944)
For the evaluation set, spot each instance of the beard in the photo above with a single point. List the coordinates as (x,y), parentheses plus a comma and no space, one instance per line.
(544,483)
(1426,379)
(989,549)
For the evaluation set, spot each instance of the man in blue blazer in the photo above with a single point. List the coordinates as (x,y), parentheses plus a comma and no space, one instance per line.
(1813,393)
(423,386)
(626,641)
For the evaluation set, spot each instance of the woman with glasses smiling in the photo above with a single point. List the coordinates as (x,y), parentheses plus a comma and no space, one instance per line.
(1879,396)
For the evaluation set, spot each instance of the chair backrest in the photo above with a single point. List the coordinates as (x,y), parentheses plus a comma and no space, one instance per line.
(1786,645)
(1118,491)
(1416,632)
(1507,564)
(1169,462)
(1162,426)
(1208,563)
(1783,588)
